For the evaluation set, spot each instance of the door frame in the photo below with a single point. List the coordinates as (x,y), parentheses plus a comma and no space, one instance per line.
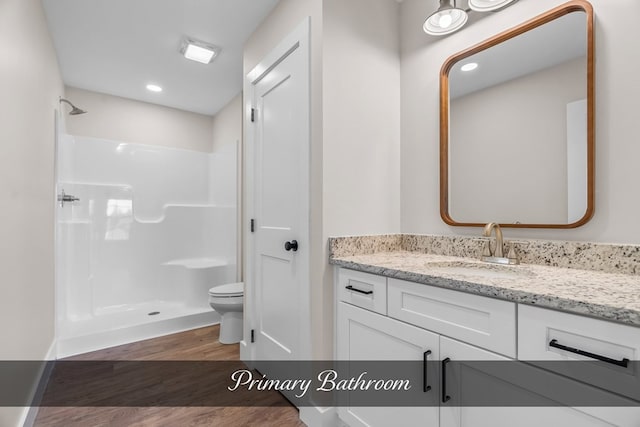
(298,39)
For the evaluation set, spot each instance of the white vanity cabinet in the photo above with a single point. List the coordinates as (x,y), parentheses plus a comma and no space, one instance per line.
(548,335)
(364,335)
(457,326)
(546,389)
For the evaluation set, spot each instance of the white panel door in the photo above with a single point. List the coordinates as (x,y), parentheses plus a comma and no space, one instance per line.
(279,259)
(364,335)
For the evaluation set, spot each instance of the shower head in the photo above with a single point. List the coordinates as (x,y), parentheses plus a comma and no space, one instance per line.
(74,110)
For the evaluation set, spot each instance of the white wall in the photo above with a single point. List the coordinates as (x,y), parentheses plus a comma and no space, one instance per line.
(30,84)
(227,124)
(361,128)
(121,119)
(28,103)
(361,117)
(617,104)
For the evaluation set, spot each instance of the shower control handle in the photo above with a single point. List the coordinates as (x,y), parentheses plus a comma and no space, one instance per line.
(69,198)
(291,246)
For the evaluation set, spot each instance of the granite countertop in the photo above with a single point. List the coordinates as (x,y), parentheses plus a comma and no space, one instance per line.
(609,296)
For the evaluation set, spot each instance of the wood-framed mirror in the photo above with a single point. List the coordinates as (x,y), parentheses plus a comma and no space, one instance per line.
(517,129)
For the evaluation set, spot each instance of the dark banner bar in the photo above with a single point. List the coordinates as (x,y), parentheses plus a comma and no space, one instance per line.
(322,383)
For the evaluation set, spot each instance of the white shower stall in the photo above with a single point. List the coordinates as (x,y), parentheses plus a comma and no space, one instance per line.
(152,229)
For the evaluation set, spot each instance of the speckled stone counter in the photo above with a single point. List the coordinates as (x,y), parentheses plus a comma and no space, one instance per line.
(610,258)
(605,295)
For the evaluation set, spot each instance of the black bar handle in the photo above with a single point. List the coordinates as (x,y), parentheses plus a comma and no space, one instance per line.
(425,377)
(351,288)
(443,371)
(624,362)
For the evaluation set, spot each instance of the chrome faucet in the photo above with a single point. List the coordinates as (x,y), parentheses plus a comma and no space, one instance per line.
(496,255)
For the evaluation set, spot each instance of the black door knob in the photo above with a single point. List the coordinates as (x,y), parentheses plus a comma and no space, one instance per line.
(291,246)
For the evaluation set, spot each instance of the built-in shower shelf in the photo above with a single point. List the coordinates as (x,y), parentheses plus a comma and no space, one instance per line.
(198,263)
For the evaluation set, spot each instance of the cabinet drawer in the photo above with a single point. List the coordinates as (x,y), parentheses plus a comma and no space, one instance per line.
(538,328)
(363,289)
(485,322)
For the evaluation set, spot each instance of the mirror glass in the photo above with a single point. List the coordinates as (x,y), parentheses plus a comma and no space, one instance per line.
(517,126)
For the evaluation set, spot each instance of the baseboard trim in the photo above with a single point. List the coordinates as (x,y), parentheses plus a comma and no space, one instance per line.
(245,351)
(315,416)
(28,416)
(29,413)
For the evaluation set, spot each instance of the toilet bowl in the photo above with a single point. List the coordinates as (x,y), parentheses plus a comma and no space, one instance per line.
(227,300)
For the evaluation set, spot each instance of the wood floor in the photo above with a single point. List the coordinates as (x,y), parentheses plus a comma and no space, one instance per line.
(198,344)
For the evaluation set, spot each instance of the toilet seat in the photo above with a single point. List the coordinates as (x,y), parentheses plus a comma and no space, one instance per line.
(230,290)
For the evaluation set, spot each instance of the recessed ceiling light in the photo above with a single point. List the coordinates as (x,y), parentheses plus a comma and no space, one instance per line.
(154,88)
(469,66)
(199,51)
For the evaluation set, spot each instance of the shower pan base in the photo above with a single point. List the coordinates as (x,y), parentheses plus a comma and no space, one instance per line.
(130,324)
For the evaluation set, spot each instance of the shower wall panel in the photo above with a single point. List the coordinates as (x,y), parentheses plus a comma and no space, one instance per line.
(153,226)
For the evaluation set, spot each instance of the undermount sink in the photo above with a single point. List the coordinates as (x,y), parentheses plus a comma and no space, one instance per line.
(477,269)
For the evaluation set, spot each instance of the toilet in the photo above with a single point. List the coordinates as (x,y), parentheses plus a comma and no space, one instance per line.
(227,300)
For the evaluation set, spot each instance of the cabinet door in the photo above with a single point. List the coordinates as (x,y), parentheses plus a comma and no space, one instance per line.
(363,335)
(464,378)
